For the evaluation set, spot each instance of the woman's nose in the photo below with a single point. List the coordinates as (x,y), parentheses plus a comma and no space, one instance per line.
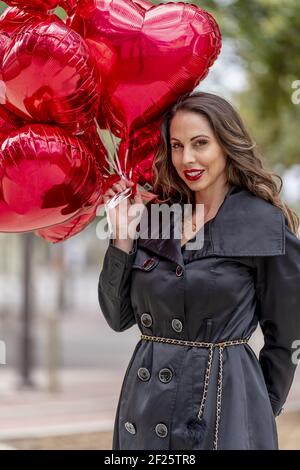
(187,155)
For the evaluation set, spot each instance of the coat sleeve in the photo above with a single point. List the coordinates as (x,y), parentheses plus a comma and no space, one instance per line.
(114,287)
(278,290)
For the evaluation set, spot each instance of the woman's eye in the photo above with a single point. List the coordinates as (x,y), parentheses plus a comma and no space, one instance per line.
(198,142)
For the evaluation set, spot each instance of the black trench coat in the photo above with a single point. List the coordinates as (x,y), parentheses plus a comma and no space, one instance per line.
(247,271)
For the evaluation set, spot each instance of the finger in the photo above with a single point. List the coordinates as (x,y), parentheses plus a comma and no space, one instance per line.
(110,192)
(122,182)
(105,199)
(127,180)
(138,198)
(118,187)
(127,183)
(117,183)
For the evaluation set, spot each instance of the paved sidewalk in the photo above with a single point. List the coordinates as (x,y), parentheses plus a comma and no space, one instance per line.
(6,447)
(86,403)
(287,424)
(82,414)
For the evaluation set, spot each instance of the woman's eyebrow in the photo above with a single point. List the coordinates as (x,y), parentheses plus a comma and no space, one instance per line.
(195,137)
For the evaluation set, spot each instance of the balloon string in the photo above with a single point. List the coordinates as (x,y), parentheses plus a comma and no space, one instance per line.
(117,198)
(116,165)
(111,163)
(125,193)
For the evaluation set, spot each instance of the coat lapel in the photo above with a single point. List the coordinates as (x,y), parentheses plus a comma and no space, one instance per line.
(248,226)
(168,247)
(245,225)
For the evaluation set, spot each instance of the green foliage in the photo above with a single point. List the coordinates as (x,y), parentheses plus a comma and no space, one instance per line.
(2,7)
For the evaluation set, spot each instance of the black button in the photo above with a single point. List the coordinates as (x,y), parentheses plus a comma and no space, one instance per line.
(161,430)
(148,263)
(179,270)
(177,325)
(144,374)
(146,320)
(165,375)
(130,427)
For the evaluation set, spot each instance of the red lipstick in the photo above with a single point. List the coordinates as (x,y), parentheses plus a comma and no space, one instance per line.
(193,174)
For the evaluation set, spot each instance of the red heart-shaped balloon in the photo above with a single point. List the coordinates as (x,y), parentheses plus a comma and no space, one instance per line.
(47,75)
(61,232)
(143,4)
(4,43)
(12,19)
(10,118)
(44,5)
(46,178)
(162,53)
(69,5)
(6,127)
(40,5)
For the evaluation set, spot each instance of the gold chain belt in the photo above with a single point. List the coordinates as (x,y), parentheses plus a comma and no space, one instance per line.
(211,347)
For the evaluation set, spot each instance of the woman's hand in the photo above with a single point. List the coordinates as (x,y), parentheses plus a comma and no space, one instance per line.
(125,216)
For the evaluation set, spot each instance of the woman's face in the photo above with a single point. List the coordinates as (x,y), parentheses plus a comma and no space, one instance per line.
(194,146)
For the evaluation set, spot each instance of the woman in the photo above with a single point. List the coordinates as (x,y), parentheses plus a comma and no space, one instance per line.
(193,381)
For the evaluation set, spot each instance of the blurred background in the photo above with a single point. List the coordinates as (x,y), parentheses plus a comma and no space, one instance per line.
(64,366)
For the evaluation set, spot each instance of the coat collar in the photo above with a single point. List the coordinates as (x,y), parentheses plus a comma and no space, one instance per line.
(245,225)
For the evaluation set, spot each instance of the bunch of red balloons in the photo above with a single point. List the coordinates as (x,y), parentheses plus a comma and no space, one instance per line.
(114,65)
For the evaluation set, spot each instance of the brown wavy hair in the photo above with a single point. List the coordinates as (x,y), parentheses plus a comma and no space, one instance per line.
(244,165)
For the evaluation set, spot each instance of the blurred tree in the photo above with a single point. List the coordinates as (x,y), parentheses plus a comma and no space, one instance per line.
(2,7)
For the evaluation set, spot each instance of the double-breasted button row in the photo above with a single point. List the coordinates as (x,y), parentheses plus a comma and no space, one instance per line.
(160,429)
(147,321)
(164,375)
